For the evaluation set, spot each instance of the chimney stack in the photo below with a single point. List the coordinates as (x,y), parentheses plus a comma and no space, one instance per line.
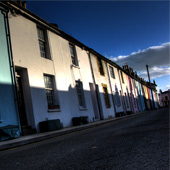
(24,4)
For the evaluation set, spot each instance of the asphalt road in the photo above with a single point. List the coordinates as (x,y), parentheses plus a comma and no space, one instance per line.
(140,142)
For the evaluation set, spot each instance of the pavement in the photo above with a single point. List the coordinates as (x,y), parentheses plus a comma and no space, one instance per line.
(25,140)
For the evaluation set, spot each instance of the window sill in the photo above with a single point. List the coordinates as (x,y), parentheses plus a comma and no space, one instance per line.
(54,110)
(75,66)
(82,109)
(102,75)
(47,58)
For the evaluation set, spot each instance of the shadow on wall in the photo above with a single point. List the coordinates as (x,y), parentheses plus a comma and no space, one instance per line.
(8,106)
(40,104)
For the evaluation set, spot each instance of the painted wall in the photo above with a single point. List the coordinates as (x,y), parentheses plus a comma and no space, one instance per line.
(8,107)
(100,81)
(165,98)
(156,102)
(124,89)
(116,87)
(24,34)
(141,96)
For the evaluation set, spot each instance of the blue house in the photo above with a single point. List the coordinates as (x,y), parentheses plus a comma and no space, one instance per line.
(9,117)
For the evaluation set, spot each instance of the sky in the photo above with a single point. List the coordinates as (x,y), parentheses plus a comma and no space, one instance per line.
(132,32)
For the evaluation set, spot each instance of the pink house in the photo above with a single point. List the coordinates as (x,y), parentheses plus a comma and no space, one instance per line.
(165,97)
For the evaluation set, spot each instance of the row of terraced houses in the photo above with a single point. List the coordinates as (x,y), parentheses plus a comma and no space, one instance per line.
(46,74)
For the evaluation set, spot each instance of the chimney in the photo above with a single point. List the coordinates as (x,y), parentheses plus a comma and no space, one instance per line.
(126,67)
(24,4)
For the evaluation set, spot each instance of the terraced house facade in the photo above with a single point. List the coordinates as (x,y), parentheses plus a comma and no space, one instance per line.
(58,77)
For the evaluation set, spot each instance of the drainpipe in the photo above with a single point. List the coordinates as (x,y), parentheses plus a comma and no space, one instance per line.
(12,65)
(111,88)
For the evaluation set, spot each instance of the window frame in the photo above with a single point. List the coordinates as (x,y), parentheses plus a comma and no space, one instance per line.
(122,77)
(100,66)
(73,54)
(43,41)
(50,86)
(117,97)
(126,99)
(106,96)
(80,94)
(112,73)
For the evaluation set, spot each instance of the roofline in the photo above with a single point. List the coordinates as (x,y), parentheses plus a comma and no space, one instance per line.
(30,15)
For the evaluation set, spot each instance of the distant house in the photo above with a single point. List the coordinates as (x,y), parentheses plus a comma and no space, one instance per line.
(164,98)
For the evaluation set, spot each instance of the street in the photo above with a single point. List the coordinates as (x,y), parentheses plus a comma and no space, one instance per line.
(139,142)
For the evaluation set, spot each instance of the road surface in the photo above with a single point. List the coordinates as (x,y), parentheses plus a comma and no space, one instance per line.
(140,142)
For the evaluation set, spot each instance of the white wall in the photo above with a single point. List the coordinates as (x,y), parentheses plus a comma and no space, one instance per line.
(26,54)
(116,82)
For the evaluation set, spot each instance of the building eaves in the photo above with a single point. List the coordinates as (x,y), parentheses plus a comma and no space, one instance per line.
(30,15)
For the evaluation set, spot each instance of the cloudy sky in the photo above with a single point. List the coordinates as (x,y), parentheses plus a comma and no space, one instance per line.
(133,32)
(156,57)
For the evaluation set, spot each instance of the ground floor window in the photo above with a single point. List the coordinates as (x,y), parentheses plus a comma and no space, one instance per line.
(50,94)
(126,99)
(106,96)
(117,97)
(80,93)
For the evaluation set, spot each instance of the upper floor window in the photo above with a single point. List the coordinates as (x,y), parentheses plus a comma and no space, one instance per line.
(43,44)
(73,54)
(50,94)
(112,74)
(100,65)
(122,77)
(80,93)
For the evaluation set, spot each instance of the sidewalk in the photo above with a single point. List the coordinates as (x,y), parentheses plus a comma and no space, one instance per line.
(24,140)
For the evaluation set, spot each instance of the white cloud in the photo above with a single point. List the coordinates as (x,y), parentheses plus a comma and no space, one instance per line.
(156,57)
(155,72)
(168,87)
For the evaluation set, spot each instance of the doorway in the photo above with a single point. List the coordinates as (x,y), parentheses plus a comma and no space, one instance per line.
(21,102)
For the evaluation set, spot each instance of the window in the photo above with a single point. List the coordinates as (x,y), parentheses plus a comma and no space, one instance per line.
(80,93)
(126,99)
(73,54)
(44,49)
(100,66)
(106,97)
(49,87)
(122,77)
(112,72)
(166,97)
(117,97)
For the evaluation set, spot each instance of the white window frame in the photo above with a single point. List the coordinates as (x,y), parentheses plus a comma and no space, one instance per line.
(112,74)
(73,54)
(80,94)
(43,43)
(49,87)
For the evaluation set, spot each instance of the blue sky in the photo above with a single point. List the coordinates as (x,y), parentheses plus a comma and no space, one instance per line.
(124,31)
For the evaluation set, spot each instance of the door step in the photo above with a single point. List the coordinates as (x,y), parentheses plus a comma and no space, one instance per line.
(28,130)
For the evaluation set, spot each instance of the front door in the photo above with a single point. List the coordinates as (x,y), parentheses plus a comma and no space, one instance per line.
(94,101)
(21,103)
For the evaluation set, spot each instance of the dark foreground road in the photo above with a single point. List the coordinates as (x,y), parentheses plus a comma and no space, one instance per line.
(140,142)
